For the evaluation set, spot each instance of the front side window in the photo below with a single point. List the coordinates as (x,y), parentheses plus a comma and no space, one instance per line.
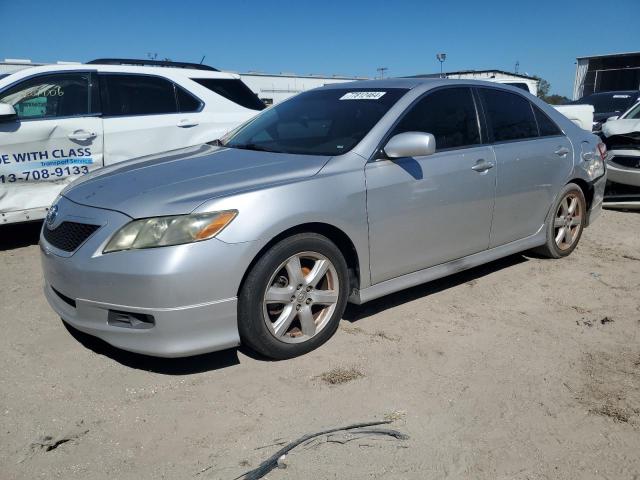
(50,96)
(124,95)
(234,90)
(448,114)
(318,122)
(509,116)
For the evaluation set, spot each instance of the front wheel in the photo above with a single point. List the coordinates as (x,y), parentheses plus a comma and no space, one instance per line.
(565,223)
(294,296)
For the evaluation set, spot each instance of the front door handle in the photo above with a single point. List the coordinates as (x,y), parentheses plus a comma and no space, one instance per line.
(482,166)
(562,151)
(185,123)
(82,135)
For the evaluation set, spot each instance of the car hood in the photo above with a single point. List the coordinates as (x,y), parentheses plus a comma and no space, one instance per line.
(177,182)
(620,127)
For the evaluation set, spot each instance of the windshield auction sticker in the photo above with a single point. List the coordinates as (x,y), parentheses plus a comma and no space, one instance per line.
(362,95)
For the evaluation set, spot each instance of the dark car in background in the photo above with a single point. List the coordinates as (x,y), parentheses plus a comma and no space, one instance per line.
(608,104)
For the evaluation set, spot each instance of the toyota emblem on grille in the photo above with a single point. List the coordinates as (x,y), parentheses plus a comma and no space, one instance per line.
(52,214)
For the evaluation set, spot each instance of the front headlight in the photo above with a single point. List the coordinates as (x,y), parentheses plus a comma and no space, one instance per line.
(165,231)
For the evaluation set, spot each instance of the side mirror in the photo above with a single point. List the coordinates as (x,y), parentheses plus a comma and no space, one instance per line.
(615,117)
(7,112)
(410,144)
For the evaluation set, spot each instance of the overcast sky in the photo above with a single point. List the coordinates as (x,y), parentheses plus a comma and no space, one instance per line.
(329,37)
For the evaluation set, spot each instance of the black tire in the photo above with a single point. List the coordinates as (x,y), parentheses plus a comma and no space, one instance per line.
(251,315)
(551,249)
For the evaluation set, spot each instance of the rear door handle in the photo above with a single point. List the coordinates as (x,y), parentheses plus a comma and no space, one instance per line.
(186,123)
(482,166)
(562,151)
(82,135)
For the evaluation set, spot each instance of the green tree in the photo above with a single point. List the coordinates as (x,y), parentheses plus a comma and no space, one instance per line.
(544,87)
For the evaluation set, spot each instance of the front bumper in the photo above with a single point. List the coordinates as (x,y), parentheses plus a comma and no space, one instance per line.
(618,170)
(189,291)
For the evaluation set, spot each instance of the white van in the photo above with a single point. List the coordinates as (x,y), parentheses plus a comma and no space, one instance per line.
(58,122)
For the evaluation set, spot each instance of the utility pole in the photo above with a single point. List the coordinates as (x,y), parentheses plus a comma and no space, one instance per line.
(381,71)
(441,58)
(517,66)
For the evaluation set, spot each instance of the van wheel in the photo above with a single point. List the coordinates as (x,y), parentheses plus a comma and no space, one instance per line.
(293,298)
(565,223)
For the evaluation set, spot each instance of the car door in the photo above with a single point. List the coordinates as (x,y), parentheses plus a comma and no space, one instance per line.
(56,136)
(146,114)
(428,210)
(533,158)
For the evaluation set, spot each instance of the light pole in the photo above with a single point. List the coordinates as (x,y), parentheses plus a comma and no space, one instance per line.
(381,70)
(441,58)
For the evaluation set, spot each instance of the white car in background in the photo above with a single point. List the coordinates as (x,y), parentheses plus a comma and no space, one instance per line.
(58,122)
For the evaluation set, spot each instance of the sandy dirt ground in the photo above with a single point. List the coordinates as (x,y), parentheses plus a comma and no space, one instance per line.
(521,369)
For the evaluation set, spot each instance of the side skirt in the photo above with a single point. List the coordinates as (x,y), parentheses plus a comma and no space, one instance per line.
(444,269)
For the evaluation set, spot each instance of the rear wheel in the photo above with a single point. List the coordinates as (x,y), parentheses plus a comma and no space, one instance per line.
(294,296)
(565,223)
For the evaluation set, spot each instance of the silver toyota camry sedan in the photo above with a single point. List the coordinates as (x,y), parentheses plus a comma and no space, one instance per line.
(341,194)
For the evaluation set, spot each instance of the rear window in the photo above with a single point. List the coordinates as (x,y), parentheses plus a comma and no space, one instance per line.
(232,89)
(547,127)
(187,102)
(509,115)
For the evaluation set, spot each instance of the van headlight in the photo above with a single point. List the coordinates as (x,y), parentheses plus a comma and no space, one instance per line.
(165,231)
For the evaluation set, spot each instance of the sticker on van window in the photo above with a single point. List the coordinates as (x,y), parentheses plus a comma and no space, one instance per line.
(362,95)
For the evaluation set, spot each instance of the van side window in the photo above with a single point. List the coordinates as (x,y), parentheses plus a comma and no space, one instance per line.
(124,95)
(448,114)
(50,96)
(547,127)
(186,102)
(509,116)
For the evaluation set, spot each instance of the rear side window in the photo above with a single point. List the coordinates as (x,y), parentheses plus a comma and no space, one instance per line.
(137,95)
(547,127)
(50,96)
(232,89)
(187,102)
(509,115)
(448,114)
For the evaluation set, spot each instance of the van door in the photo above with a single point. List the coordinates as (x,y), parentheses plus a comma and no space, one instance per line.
(146,114)
(56,137)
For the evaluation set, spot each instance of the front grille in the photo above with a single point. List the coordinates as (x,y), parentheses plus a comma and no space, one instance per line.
(629,162)
(69,235)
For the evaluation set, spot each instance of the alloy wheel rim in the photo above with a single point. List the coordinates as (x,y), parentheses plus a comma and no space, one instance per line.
(568,221)
(301,297)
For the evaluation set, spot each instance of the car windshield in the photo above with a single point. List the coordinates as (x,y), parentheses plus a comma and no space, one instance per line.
(634,113)
(609,102)
(319,122)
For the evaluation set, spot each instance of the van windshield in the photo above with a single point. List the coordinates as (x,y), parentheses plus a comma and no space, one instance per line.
(318,122)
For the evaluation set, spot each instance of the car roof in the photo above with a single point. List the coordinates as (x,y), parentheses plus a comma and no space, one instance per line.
(168,72)
(425,83)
